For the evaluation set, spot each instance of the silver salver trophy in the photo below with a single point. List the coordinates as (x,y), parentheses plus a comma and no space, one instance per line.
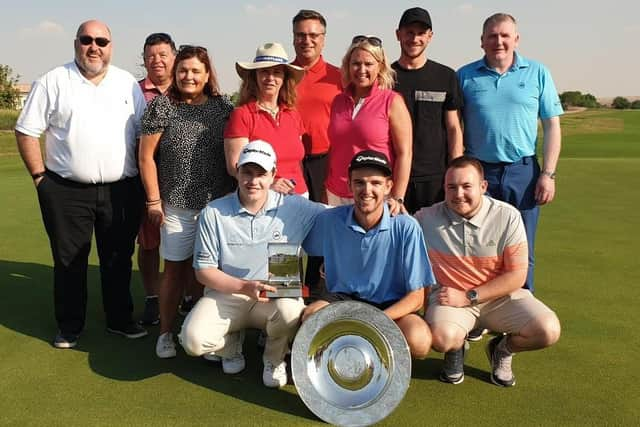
(285,270)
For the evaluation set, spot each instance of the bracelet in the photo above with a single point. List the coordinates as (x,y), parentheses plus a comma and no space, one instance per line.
(153,202)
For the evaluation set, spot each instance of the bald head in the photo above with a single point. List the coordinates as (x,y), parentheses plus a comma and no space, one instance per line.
(91,23)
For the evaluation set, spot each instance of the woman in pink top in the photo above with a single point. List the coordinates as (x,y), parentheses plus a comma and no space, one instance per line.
(266,111)
(368,115)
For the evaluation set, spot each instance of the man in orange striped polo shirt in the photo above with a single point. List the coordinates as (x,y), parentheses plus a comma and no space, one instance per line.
(478,250)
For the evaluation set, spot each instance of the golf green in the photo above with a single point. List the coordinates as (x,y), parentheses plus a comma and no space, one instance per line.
(586,272)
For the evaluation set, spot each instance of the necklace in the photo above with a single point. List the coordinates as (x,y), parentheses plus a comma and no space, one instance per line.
(272,111)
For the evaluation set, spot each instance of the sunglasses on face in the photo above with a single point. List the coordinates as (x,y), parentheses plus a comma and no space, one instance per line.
(87,40)
(373,40)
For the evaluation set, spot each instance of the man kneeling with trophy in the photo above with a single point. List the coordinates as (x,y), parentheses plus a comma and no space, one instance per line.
(232,260)
(372,257)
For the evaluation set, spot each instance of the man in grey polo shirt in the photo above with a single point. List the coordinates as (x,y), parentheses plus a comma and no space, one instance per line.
(230,259)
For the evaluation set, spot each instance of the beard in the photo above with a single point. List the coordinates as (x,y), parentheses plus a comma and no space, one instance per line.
(91,68)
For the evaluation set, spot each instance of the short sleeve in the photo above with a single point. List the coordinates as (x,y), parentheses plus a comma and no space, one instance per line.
(550,105)
(157,115)
(417,268)
(206,247)
(453,101)
(34,118)
(240,124)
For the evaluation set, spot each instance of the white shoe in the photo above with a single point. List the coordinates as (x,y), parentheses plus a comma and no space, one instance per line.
(212,357)
(165,347)
(233,365)
(274,376)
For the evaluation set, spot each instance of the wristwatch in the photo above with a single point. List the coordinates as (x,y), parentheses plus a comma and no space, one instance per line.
(472,296)
(37,175)
(550,174)
(400,200)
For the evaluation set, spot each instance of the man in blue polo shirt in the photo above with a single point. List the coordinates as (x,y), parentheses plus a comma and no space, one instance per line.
(372,257)
(230,260)
(504,95)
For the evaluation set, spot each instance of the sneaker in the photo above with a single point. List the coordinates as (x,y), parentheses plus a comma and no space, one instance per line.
(130,330)
(274,376)
(233,365)
(186,305)
(500,360)
(63,340)
(453,369)
(476,334)
(150,316)
(212,357)
(165,347)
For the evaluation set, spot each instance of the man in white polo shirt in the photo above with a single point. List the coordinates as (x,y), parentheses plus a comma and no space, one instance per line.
(478,250)
(231,258)
(89,111)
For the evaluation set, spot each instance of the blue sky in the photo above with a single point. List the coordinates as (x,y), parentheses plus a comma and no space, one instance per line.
(587,47)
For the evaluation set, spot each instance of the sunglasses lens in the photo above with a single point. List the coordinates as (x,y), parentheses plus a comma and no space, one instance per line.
(373,41)
(358,39)
(101,41)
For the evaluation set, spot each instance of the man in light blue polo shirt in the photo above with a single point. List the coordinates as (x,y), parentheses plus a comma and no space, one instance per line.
(504,95)
(230,260)
(372,257)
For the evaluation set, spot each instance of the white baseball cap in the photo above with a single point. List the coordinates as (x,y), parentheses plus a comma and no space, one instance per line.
(258,152)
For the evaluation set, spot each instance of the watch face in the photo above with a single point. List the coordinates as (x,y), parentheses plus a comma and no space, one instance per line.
(472,295)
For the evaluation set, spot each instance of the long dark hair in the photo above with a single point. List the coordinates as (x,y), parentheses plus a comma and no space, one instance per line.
(211,88)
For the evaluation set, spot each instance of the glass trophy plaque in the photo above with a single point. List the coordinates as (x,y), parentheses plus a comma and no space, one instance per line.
(285,270)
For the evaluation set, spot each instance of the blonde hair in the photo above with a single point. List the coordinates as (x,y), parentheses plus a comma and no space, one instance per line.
(249,89)
(386,74)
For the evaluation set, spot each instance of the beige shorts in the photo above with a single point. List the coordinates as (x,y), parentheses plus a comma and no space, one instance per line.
(507,314)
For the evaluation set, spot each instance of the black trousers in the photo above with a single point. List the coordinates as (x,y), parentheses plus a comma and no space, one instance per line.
(71,211)
(315,173)
(424,193)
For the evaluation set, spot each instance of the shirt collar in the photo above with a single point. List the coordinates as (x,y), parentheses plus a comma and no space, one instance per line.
(253,107)
(374,89)
(384,224)
(476,221)
(77,74)
(518,62)
(147,84)
(274,200)
(315,68)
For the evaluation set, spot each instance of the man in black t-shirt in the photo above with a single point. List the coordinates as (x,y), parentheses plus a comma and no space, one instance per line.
(433,97)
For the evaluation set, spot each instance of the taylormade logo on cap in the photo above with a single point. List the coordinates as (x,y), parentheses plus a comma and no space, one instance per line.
(371,158)
(260,153)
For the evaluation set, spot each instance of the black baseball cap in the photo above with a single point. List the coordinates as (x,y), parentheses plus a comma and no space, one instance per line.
(371,159)
(415,15)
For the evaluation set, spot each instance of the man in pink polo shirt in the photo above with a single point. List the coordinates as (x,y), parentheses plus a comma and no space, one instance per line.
(315,93)
(159,53)
(478,250)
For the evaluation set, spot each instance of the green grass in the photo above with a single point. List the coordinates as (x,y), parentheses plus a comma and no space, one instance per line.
(8,119)
(586,271)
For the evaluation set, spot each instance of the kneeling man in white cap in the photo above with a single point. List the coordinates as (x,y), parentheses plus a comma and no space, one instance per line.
(231,261)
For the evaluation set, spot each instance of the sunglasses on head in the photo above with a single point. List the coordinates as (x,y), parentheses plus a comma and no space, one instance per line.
(87,40)
(372,40)
(190,47)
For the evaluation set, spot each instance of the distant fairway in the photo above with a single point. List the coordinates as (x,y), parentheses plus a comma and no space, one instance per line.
(586,271)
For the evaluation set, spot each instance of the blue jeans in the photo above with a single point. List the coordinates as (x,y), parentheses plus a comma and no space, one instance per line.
(515,183)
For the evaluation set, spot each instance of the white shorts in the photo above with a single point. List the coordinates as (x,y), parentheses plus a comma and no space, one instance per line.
(178,233)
